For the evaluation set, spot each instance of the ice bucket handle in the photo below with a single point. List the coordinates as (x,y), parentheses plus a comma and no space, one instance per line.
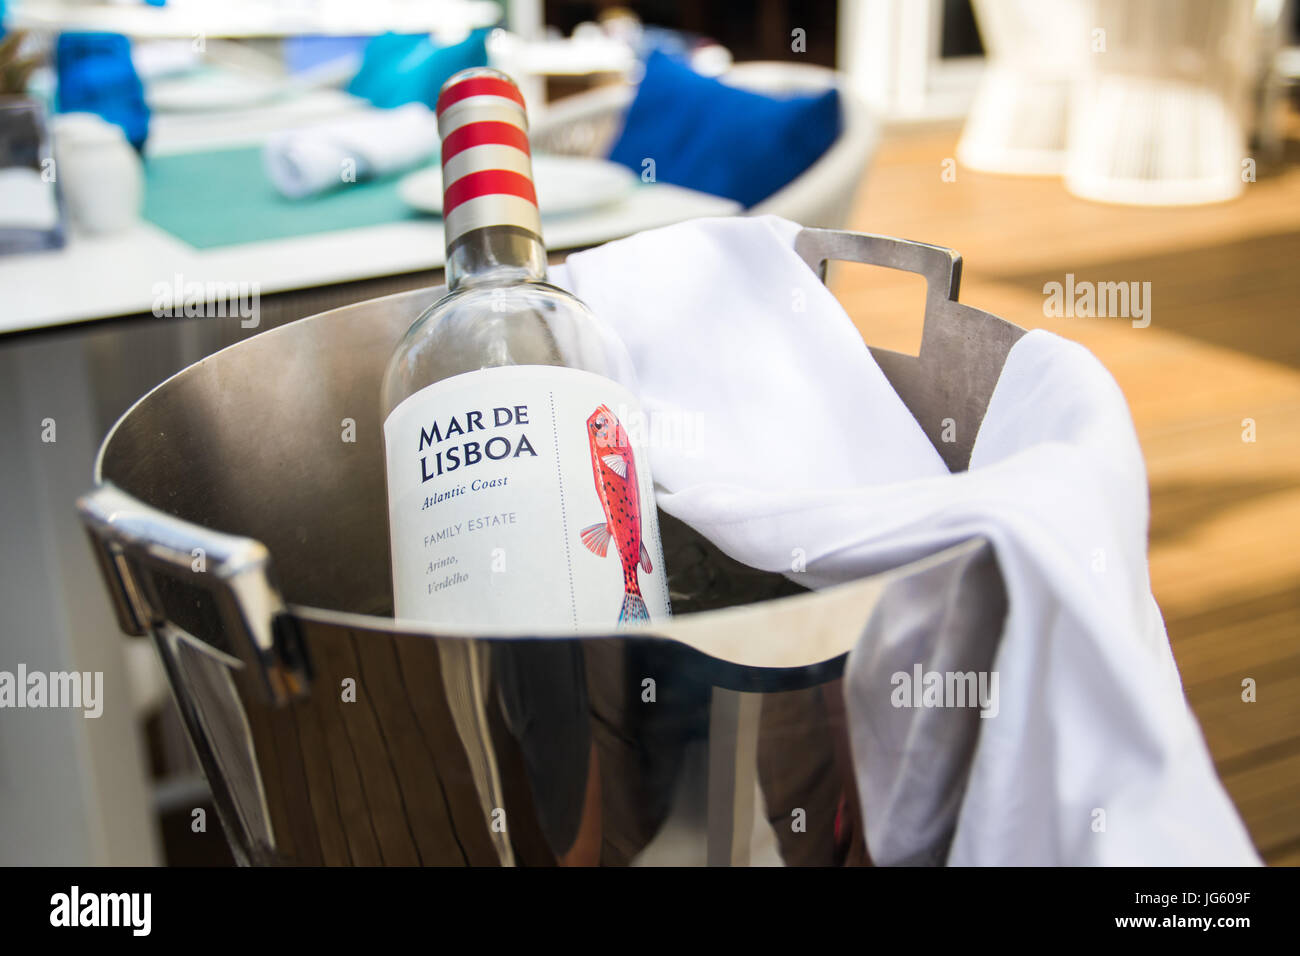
(940,267)
(149,558)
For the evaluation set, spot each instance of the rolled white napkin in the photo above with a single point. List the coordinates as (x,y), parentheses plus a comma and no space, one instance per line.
(311,160)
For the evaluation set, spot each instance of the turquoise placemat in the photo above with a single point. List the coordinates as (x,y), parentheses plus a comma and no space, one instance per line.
(223,198)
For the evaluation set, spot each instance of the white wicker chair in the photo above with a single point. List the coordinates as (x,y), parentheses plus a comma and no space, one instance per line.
(587,125)
(1018,121)
(1162,115)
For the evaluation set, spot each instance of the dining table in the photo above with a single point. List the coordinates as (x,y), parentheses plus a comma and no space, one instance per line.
(111,277)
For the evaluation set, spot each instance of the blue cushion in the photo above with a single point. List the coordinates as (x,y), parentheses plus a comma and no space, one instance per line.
(397,68)
(717,139)
(305,52)
(96,75)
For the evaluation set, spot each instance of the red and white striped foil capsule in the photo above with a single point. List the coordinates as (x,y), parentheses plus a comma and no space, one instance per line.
(487,169)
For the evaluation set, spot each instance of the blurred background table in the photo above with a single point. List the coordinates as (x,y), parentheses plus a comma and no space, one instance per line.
(251,18)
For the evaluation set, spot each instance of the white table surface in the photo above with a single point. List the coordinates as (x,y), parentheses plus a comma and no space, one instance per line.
(108,276)
(102,277)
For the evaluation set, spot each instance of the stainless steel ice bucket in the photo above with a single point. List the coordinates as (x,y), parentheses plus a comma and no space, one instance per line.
(331,735)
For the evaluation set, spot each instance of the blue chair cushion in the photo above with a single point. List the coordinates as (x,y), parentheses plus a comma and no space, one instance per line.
(718,139)
(398,68)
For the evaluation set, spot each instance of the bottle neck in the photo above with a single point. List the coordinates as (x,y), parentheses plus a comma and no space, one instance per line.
(495,255)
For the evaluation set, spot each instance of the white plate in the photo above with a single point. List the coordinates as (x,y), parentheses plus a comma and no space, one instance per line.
(565,184)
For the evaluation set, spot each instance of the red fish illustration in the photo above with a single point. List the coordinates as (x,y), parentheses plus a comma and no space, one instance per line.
(614,469)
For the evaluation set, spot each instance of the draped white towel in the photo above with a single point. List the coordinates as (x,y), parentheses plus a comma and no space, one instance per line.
(311,160)
(795,440)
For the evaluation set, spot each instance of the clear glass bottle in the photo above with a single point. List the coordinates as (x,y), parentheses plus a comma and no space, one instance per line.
(516,497)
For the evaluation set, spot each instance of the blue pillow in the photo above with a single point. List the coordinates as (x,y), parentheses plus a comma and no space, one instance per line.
(306,52)
(96,75)
(398,68)
(717,139)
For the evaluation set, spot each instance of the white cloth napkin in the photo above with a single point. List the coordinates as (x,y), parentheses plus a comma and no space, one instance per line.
(804,453)
(305,161)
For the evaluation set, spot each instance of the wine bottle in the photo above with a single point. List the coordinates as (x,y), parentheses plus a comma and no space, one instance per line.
(519,496)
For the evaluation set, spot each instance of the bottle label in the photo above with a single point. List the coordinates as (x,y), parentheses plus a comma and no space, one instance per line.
(518,499)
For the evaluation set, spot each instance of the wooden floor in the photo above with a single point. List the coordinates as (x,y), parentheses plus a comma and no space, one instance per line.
(1223,346)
